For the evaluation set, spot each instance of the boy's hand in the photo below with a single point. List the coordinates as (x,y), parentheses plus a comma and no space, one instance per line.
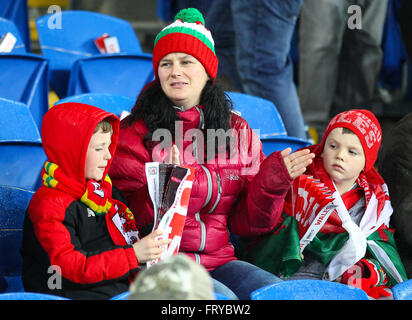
(296,162)
(368,275)
(149,248)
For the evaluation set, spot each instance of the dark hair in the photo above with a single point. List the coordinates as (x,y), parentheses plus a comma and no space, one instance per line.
(347,131)
(157,111)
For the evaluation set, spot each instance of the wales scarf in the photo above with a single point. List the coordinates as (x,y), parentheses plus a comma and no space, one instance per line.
(341,242)
(97,196)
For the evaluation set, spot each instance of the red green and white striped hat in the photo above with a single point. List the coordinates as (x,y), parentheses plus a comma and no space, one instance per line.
(187,34)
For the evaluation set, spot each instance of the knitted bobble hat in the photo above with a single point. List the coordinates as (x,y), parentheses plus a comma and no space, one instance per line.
(187,34)
(365,125)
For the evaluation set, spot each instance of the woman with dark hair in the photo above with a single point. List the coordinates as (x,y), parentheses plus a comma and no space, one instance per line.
(183,117)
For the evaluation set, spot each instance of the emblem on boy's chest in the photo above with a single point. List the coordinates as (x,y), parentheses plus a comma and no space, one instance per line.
(90,213)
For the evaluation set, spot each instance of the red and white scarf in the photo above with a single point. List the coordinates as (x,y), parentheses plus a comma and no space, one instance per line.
(376,216)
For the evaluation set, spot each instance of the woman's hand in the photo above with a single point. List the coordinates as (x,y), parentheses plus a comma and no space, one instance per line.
(149,248)
(174,156)
(296,162)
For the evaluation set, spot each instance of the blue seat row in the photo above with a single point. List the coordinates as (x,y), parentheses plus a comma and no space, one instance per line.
(29,296)
(69,37)
(306,289)
(70,60)
(323,290)
(42,296)
(25,80)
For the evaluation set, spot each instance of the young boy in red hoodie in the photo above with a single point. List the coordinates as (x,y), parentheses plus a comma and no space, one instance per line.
(355,246)
(77,229)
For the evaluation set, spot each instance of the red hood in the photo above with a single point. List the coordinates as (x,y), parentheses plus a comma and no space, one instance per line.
(66,132)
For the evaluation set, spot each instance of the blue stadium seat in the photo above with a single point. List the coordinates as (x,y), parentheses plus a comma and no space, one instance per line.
(403,290)
(74,40)
(13,204)
(308,290)
(109,102)
(21,163)
(22,156)
(279,143)
(9,26)
(259,113)
(262,114)
(219,296)
(121,296)
(29,296)
(17,123)
(17,11)
(116,74)
(24,78)
(126,295)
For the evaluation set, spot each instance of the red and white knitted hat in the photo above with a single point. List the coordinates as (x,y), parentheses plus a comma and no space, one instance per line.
(187,34)
(365,125)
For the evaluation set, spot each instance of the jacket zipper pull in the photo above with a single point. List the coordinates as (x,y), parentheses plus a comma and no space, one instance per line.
(219,192)
(201,119)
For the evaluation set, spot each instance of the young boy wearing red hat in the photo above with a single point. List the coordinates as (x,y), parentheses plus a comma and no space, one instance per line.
(355,246)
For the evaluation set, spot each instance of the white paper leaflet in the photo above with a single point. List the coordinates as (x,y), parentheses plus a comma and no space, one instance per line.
(169,188)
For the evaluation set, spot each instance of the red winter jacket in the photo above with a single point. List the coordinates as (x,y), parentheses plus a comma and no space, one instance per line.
(61,231)
(224,195)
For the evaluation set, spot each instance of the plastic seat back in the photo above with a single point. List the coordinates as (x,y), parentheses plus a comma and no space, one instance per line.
(279,143)
(116,74)
(24,78)
(259,113)
(21,164)
(9,26)
(74,39)
(17,123)
(121,296)
(22,156)
(219,296)
(262,114)
(403,290)
(17,11)
(308,290)
(13,205)
(29,296)
(109,102)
